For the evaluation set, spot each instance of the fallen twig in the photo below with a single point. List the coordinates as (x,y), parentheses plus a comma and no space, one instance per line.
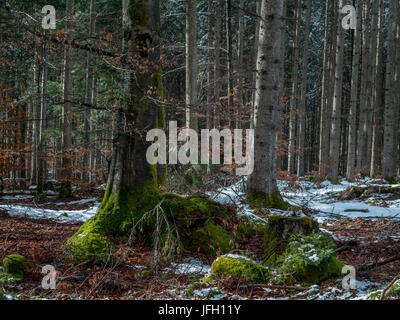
(389,286)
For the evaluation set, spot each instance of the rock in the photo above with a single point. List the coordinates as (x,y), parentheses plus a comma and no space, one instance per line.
(278,232)
(14,264)
(309,259)
(14,267)
(238,267)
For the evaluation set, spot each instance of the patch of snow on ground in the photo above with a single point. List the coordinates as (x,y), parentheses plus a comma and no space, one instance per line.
(61,215)
(191,265)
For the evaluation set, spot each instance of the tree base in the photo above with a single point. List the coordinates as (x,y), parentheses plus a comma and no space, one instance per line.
(261,199)
(196,222)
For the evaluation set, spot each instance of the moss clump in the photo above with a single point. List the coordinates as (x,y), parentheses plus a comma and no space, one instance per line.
(395,289)
(238,267)
(261,199)
(247,224)
(310,259)
(392,180)
(14,264)
(279,231)
(212,239)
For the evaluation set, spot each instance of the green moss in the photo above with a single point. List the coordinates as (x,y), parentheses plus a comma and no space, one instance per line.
(238,267)
(334,182)
(14,264)
(261,199)
(376,295)
(115,217)
(211,239)
(310,259)
(196,218)
(278,232)
(392,180)
(395,289)
(138,14)
(6,278)
(247,224)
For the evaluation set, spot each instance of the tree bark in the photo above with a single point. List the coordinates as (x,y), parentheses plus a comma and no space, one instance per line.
(88,98)
(66,172)
(294,91)
(334,152)
(390,154)
(303,95)
(363,119)
(355,75)
(191,65)
(262,182)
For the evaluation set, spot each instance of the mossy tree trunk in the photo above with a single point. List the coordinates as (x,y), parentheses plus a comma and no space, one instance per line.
(132,181)
(263,187)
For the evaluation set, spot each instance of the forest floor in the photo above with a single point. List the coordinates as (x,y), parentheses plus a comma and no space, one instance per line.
(367,231)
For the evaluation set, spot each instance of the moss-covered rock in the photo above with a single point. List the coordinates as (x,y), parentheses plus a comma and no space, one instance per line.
(279,231)
(238,267)
(310,259)
(14,264)
(211,239)
(195,219)
(7,278)
(261,199)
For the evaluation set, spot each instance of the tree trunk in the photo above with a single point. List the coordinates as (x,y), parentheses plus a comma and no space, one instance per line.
(294,92)
(334,152)
(191,65)
(363,119)
(66,173)
(217,66)
(88,98)
(302,106)
(132,183)
(352,134)
(389,157)
(262,182)
(239,66)
(377,134)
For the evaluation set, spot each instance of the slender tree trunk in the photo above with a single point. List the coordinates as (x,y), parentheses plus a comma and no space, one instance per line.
(362,144)
(239,66)
(210,93)
(390,154)
(88,98)
(294,92)
(352,134)
(66,189)
(323,137)
(302,106)
(191,65)
(282,104)
(229,62)
(41,164)
(377,134)
(217,66)
(337,103)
